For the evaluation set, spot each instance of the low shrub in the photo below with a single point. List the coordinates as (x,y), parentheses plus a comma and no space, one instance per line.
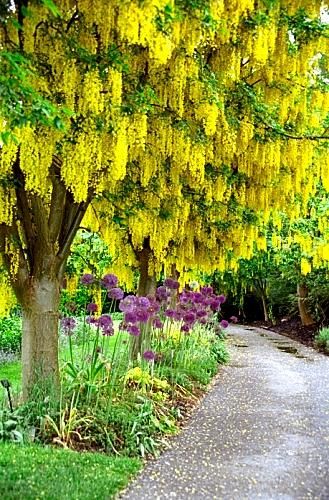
(10,334)
(322,339)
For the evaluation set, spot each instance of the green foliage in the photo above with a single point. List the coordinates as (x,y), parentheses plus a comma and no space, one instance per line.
(10,334)
(10,427)
(20,103)
(31,472)
(303,28)
(322,339)
(219,350)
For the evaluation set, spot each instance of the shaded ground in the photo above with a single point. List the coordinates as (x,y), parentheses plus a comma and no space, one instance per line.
(261,432)
(293,329)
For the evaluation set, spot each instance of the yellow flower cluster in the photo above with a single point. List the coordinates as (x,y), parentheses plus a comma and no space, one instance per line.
(174,144)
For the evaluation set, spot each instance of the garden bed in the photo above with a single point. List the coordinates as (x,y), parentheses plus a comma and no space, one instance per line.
(293,329)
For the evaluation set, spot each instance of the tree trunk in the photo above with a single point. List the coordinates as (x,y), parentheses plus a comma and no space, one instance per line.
(146,286)
(147,282)
(265,311)
(40,338)
(302,294)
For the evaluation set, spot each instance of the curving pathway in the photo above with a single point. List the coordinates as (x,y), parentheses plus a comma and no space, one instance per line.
(262,432)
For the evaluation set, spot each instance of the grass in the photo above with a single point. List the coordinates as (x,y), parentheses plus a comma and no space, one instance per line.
(11,372)
(35,472)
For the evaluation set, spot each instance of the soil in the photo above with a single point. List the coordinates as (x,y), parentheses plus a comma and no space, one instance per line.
(292,328)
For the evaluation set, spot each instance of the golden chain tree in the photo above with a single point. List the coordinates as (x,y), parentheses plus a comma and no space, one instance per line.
(216,107)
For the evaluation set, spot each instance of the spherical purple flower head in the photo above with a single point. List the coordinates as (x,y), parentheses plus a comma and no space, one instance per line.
(109,281)
(130,317)
(127,304)
(201,313)
(153,308)
(161,293)
(142,315)
(224,323)
(206,290)
(215,304)
(68,325)
(91,320)
(133,330)
(170,313)
(142,302)
(115,293)
(92,307)
(234,319)
(149,355)
(108,332)
(221,299)
(185,328)
(105,321)
(189,317)
(198,298)
(157,323)
(87,279)
(178,315)
(171,284)
(183,297)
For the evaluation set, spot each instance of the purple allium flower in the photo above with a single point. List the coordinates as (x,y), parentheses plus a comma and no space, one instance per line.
(201,313)
(183,298)
(142,315)
(189,317)
(109,281)
(170,313)
(143,302)
(224,323)
(149,355)
(185,328)
(221,299)
(215,304)
(198,298)
(133,330)
(91,320)
(206,290)
(178,315)
(108,332)
(171,284)
(87,279)
(105,321)
(92,307)
(234,319)
(154,308)
(157,323)
(116,293)
(127,304)
(162,293)
(68,324)
(130,317)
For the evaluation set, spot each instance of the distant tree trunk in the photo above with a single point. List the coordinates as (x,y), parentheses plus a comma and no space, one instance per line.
(146,286)
(305,315)
(265,309)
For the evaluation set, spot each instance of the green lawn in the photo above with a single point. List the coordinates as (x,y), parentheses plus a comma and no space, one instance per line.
(11,372)
(35,472)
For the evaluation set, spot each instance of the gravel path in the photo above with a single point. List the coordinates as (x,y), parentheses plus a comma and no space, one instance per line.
(262,432)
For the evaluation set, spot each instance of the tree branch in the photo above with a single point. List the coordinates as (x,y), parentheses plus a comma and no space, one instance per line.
(57,204)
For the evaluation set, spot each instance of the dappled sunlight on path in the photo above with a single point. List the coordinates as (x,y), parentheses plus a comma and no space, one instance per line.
(261,432)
